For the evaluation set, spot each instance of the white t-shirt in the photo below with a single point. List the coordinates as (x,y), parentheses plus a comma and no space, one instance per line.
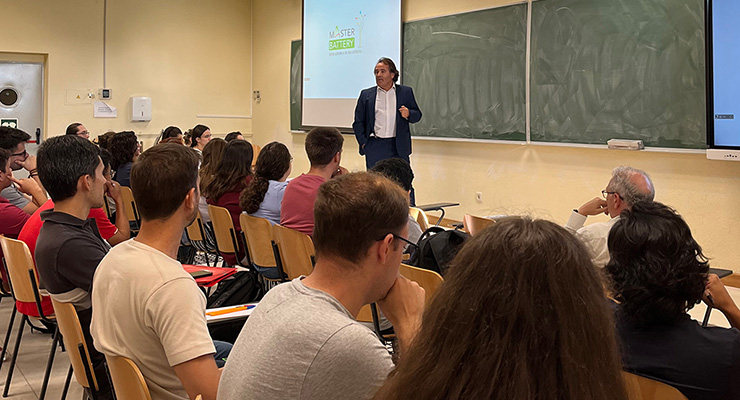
(146,307)
(301,343)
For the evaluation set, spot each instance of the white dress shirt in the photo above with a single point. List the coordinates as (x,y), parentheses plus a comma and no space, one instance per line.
(385,113)
(594,236)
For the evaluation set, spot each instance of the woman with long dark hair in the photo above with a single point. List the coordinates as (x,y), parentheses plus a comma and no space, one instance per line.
(212,155)
(198,137)
(262,197)
(232,175)
(521,315)
(169,133)
(124,149)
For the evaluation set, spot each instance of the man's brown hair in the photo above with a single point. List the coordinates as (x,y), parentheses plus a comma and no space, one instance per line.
(354,211)
(161,178)
(322,144)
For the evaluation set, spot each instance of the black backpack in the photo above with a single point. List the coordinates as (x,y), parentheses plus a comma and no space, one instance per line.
(243,288)
(437,247)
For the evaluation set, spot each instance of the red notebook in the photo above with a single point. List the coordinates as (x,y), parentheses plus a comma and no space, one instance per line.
(219,274)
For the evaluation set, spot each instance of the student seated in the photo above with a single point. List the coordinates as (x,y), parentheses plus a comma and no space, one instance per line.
(400,171)
(14,141)
(658,272)
(145,306)
(69,247)
(626,187)
(264,194)
(170,132)
(324,150)
(198,137)
(78,129)
(302,340)
(521,315)
(124,149)
(211,157)
(231,176)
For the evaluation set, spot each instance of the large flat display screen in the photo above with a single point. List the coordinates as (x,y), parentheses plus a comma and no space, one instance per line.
(723,51)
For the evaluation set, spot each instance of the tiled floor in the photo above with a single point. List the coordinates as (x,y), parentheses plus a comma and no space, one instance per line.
(31,363)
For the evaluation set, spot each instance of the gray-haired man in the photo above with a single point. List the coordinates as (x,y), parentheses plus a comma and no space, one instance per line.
(627,186)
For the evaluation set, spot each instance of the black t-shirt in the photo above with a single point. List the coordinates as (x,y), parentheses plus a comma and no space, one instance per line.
(703,363)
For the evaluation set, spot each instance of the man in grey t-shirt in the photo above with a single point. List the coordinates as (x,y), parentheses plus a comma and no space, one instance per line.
(302,340)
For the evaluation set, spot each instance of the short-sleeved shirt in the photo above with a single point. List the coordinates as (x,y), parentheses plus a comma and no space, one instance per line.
(702,362)
(147,308)
(68,251)
(270,206)
(310,342)
(14,197)
(296,211)
(30,232)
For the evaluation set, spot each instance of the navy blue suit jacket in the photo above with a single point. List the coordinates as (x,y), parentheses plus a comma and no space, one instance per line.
(365,117)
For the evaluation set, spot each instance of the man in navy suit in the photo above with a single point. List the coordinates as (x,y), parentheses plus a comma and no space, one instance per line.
(382,116)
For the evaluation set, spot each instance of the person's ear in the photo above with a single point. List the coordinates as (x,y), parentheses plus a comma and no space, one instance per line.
(338,157)
(192,199)
(384,248)
(84,183)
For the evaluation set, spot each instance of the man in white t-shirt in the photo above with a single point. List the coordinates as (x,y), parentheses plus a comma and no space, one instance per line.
(145,306)
(302,340)
(627,186)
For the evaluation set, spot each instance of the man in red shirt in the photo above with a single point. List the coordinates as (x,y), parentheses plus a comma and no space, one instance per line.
(324,150)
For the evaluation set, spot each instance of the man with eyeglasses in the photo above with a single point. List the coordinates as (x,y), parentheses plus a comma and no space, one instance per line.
(14,141)
(304,331)
(627,186)
(77,129)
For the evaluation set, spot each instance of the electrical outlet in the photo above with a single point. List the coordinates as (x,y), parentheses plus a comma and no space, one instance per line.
(479,197)
(257,96)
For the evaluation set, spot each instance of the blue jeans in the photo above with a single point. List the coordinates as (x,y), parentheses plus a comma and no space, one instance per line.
(222,352)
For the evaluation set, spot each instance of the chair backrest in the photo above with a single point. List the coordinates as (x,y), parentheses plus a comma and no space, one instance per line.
(71,330)
(427,279)
(128,382)
(255,153)
(365,314)
(296,251)
(223,228)
(641,388)
(129,205)
(420,216)
(475,224)
(194,230)
(18,260)
(258,232)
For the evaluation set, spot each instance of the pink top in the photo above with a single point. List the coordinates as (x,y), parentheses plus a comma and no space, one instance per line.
(296,211)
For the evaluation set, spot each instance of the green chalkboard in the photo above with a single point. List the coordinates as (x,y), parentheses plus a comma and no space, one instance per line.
(468,73)
(296,70)
(628,69)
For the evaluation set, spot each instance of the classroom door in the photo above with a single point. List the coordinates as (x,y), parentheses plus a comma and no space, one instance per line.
(22,101)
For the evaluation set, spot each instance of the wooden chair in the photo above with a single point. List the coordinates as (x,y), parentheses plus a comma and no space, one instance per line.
(427,279)
(641,388)
(201,240)
(74,339)
(263,251)
(297,254)
(227,241)
(255,153)
(128,382)
(24,283)
(420,217)
(129,207)
(475,224)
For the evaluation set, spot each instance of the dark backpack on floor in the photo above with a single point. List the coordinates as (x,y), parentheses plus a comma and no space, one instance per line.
(437,247)
(243,288)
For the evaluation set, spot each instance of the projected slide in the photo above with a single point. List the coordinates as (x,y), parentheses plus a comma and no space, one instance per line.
(726,60)
(342,41)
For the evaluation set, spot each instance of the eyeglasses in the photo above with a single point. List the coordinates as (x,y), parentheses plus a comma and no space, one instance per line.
(606,193)
(23,154)
(401,238)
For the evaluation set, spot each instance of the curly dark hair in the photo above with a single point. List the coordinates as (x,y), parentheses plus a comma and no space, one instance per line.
(232,171)
(272,163)
(122,148)
(657,270)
